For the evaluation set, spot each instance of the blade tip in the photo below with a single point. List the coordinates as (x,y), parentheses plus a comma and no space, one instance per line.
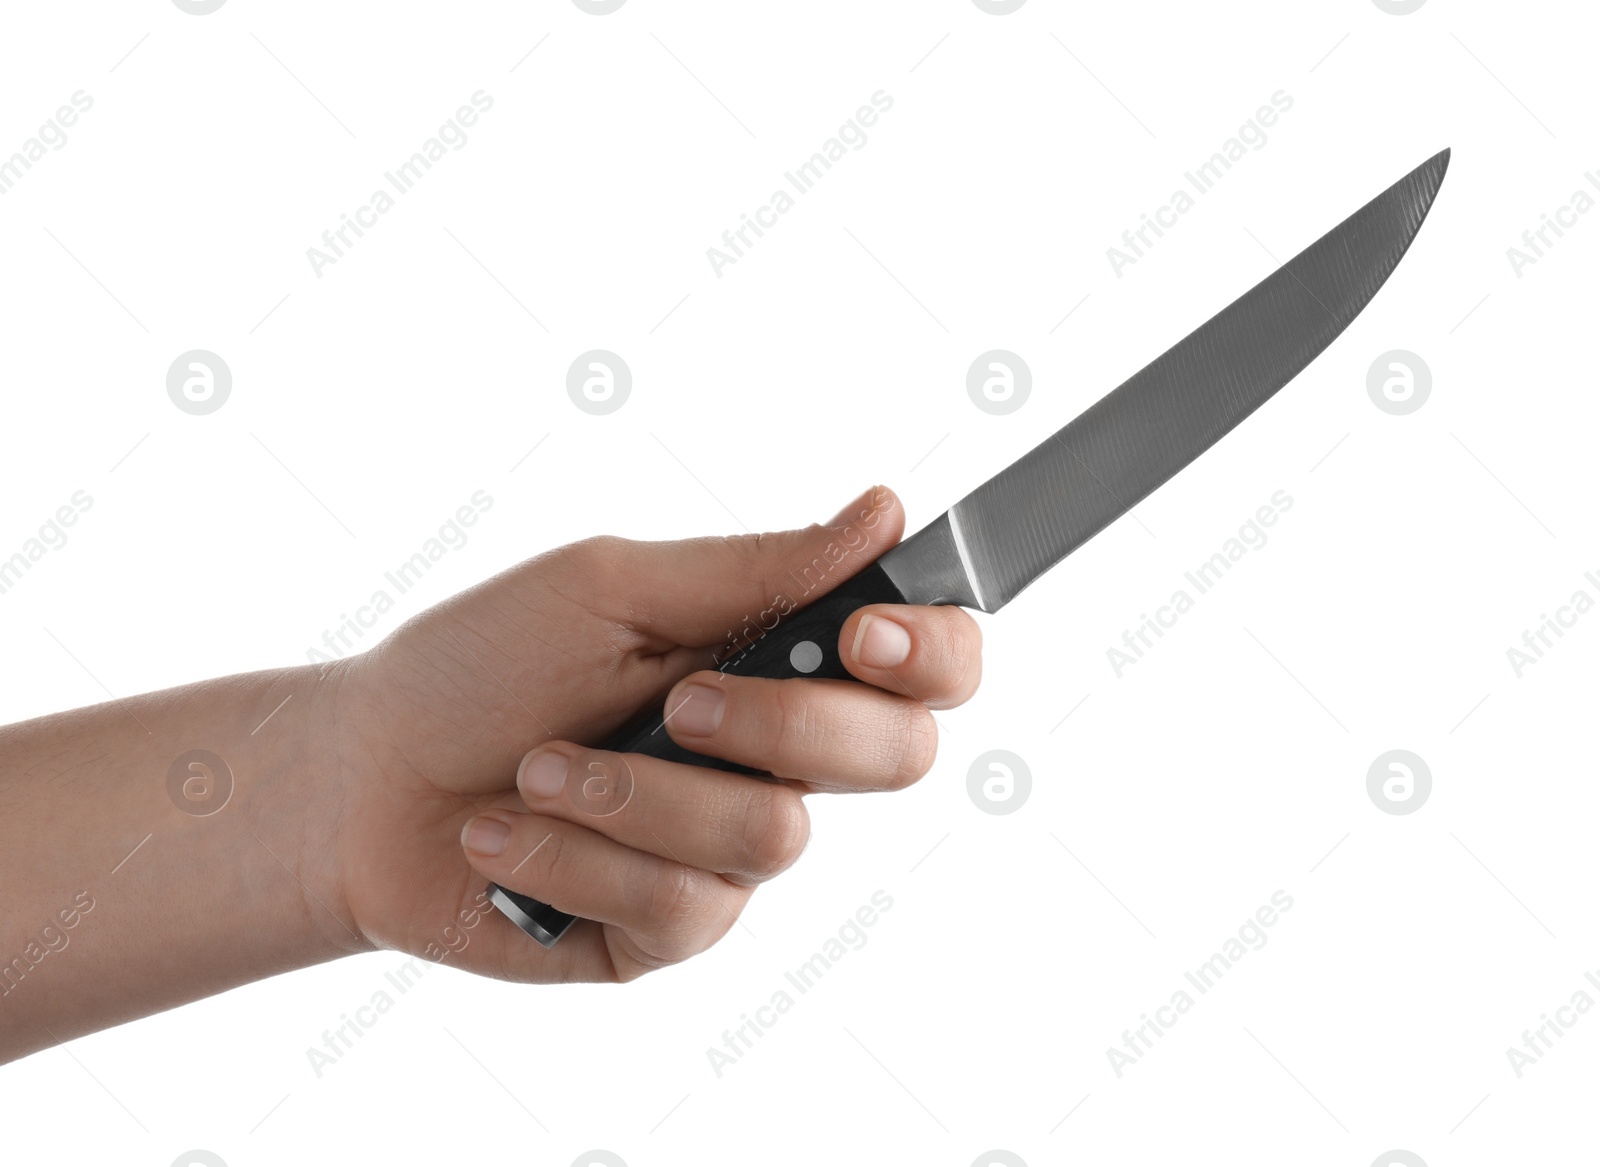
(1440,163)
(1430,176)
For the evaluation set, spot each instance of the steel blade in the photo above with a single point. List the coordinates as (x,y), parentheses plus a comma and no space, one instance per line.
(1023,521)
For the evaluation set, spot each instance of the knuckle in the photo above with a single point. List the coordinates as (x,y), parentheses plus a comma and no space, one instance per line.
(546,867)
(671,894)
(916,746)
(635,954)
(790,730)
(744,548)
(634,961)
(750,554)
(953,645)
(957,661)
(595,554)
(966,645)
(776,829)
(677,907)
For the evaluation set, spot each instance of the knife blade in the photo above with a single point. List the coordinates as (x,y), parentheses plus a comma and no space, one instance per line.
(1012,529)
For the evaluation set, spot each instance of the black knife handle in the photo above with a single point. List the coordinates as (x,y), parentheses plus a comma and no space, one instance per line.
(805,643)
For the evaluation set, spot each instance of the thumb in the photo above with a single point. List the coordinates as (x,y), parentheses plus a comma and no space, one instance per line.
(705,589)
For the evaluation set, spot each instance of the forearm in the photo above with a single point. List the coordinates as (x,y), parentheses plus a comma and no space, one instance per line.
(137,876)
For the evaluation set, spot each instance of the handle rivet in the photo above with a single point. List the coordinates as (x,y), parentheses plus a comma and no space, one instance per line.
(806,656)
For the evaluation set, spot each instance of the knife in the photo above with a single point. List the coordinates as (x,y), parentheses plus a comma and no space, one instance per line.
(1026,519)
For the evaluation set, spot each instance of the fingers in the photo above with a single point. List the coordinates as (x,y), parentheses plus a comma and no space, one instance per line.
(743,829)
(837,734)
(665,853)
(932,654)
(708,591)
(833,735)
(670,911)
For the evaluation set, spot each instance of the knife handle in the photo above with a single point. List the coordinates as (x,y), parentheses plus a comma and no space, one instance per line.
(805,643)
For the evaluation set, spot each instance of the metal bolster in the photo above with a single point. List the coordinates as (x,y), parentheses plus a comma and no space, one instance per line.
(934,566)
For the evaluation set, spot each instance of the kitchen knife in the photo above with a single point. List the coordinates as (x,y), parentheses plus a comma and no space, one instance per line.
(1022,522)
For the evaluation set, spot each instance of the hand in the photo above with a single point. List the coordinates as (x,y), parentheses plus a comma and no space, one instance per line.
(442,793)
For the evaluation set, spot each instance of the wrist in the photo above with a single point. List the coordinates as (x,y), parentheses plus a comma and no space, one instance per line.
(296,803)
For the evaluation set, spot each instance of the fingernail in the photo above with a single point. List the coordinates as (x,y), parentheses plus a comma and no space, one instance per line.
(699,711)
(485,835)
(880,642)
(544,773)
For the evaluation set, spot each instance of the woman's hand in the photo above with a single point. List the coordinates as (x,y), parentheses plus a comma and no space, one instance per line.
(458,746)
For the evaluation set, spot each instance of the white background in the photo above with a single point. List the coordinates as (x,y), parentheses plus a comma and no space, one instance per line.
(1229,763)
